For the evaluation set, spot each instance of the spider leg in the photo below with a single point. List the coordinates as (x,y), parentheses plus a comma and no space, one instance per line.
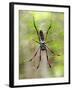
(39,59)
(35,41)
(34,55)
(47,58)
(48,41)
(47,32)
(36,28)
(51,51)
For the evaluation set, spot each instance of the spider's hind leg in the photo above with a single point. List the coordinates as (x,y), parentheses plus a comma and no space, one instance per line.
(39,59)
(47,58)
(34,55)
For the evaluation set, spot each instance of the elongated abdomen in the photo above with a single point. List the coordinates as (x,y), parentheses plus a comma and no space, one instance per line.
(41,35)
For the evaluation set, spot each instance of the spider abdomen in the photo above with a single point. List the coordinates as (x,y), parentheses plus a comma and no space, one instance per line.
(41,35)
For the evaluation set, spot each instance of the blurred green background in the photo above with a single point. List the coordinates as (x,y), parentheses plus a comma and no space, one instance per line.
(27,46)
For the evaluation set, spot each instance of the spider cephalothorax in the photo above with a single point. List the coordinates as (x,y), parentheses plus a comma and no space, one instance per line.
(42,42)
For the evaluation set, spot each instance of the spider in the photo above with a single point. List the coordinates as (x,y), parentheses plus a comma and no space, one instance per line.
(42,42)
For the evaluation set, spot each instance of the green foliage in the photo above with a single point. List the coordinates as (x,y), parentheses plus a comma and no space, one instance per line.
(55,37)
